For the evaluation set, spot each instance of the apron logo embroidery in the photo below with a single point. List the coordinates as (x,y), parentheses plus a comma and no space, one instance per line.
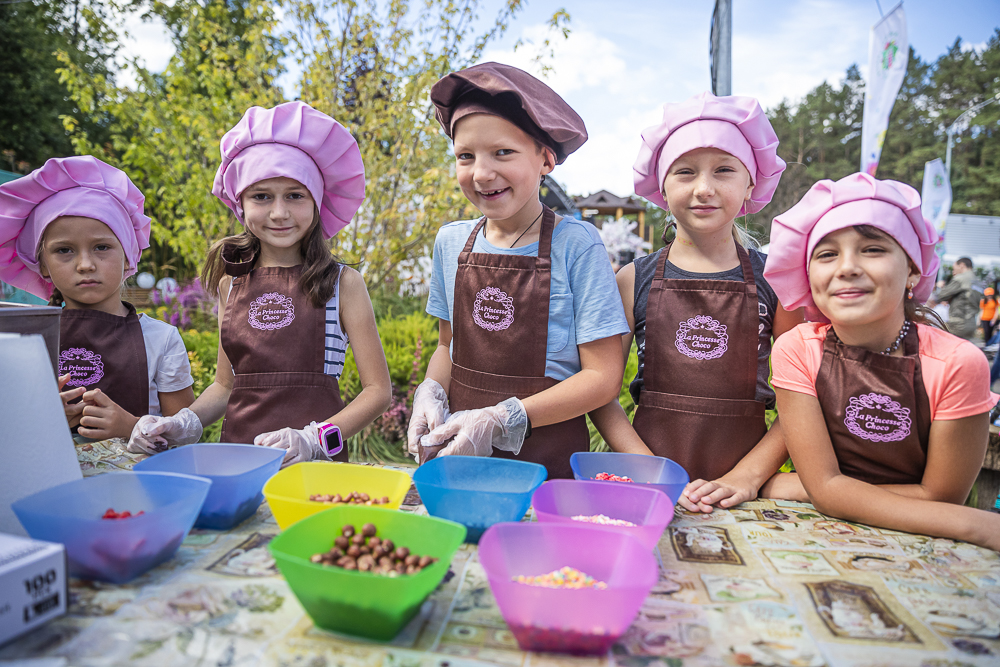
(493,309)
(271,311)
(702,337)
(85,366)
(877,418)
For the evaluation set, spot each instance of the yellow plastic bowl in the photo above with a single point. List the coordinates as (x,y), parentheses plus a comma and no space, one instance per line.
(288,491)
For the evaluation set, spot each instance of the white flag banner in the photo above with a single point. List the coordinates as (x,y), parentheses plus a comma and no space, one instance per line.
(888,51)
(935,197)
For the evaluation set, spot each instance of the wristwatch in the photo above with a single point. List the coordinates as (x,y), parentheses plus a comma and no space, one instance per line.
(329,438)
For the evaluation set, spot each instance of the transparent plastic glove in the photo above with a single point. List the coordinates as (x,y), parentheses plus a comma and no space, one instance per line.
(430,410)
(477,432)
(300,444)
(154,434)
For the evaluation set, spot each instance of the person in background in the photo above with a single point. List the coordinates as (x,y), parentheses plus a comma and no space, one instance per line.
(71,232)
(886,416)
(962,300)
(988,314)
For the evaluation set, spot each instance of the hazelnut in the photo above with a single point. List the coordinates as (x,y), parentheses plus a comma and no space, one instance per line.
(342,542)
(385,500)
(348,531)
(354,551)
(368,502)
(342,562)
(375,540)
(369,530)
(358,539)
(336,498)
(366,564)
(366,550)
(336,552)
(412,569)
(425,561)
(316,558)
(401,553)
(412,559)
(365,496)
(385,562)
(400,568)
(388,546)
(378,552)
(351,564)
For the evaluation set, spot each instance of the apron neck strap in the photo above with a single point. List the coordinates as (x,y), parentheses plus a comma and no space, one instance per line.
(745,266)
(911,343)
(544,235)
(237,263)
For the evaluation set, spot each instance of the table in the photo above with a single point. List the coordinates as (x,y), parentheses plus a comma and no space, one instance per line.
(766,583)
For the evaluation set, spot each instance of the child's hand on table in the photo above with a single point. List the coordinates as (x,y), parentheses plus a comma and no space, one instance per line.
(477,432)
(102,418)
(73,410)
(153,434)
(700,496)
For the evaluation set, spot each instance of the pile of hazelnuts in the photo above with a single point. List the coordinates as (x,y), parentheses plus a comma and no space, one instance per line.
(353,498)
(365,551)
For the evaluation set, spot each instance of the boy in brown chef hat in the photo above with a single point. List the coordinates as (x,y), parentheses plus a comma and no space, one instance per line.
(530,318)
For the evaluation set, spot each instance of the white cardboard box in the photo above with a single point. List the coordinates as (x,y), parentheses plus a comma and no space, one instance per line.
(33,584)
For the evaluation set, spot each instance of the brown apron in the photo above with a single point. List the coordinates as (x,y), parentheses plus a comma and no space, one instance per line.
(106,352)
(876,409)
(698,403)
(500,326)
(275,339)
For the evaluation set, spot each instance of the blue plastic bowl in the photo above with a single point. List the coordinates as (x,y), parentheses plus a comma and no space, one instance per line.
(654,471)
(115,550)
(238,473)
(476,491)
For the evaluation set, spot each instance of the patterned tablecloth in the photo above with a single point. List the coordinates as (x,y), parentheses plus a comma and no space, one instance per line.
(767,583)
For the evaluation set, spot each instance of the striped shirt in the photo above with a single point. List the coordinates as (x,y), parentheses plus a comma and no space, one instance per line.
(335,345)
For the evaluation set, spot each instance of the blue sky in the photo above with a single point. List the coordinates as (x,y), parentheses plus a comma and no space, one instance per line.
(625,58)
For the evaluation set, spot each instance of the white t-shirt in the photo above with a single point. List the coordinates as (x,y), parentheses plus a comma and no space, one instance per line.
(166,360)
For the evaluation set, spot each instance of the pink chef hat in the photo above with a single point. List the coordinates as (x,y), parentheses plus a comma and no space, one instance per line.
(298,142)
(79,186)
(858,199)
(734,124)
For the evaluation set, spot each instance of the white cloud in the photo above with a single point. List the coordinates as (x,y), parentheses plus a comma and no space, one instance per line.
(148,42)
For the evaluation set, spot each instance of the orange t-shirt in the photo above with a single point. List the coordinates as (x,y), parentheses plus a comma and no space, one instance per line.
(955,372)
(989,308)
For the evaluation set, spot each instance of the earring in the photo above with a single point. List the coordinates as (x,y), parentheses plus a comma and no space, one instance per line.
(909,293)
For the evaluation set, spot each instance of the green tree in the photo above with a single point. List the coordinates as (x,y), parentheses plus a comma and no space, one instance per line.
(33,98)
(165,134)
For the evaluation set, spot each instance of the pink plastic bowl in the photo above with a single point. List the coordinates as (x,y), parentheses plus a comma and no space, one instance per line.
(559,500)
(582,621)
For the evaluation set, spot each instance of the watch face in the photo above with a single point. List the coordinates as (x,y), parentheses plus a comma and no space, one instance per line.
(334,442)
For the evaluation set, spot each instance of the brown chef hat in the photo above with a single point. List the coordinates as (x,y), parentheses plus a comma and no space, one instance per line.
(514,95)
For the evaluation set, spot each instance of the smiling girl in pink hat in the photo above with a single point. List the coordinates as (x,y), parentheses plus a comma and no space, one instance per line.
(886,418)
(700,310)
(71,232)
(287,309)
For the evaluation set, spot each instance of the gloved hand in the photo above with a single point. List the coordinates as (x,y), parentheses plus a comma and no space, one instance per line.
(477,432)
(154,434)
(301,444)
(430,410)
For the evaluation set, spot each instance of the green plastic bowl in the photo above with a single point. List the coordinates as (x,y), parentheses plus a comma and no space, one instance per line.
(360,603)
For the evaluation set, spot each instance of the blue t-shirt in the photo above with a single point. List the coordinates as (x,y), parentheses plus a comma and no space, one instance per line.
(584,304)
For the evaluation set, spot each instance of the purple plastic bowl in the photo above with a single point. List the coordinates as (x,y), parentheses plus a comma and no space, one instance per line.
(651,471)
(580,621)
(559,500)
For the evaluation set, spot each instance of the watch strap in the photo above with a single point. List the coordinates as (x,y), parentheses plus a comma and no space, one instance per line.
(330,440)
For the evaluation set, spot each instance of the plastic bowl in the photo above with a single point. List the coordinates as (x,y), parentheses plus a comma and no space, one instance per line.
(559,500)
(115,550)
(238,473)
(476,491)
(654,471)
(288,491)
(360,603)
(582,621)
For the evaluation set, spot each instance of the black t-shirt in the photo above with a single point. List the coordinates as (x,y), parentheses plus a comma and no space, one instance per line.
(767,303)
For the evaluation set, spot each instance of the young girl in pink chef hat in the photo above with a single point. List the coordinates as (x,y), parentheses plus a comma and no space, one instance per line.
(287,310)
(701,312)
(885,417)
(71,232)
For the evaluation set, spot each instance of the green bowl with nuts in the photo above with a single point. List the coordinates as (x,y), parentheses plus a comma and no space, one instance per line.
(349,581)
